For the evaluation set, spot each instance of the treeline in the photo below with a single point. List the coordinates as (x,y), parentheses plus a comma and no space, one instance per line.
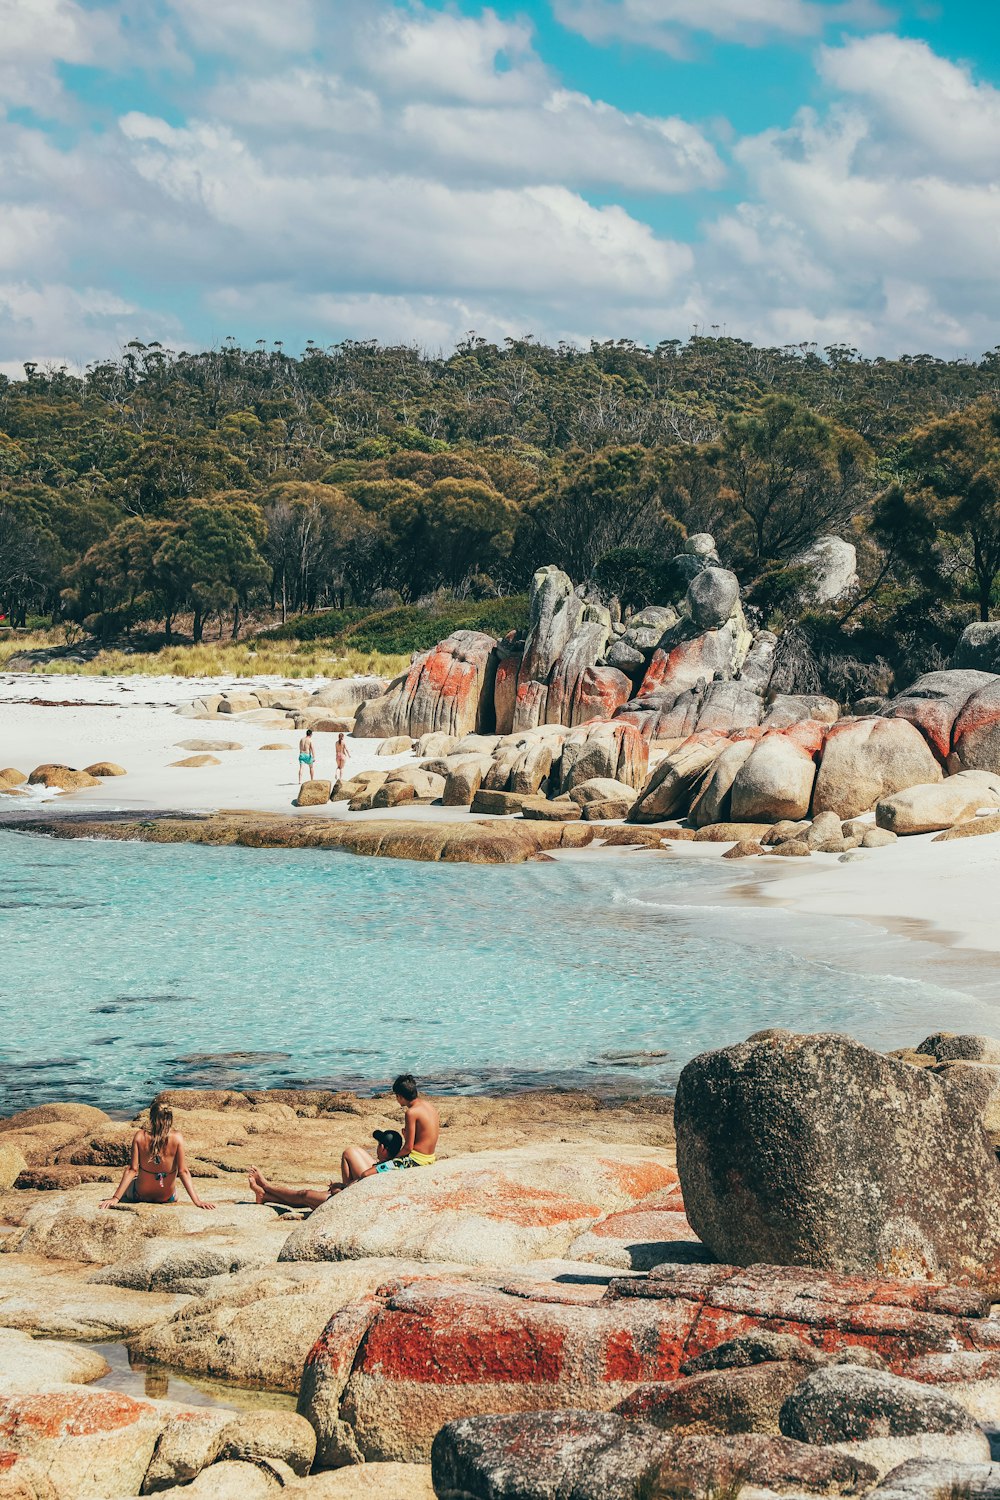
(241,487)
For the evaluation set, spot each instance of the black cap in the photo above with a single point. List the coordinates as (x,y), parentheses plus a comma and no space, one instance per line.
(390,1139)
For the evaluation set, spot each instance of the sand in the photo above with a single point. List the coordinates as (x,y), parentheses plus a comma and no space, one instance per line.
(914,885)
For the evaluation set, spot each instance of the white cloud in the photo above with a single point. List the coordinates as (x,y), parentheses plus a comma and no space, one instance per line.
(666,24)
(927,111)
(879,219)
(38,35)
(252,30)
(414,173)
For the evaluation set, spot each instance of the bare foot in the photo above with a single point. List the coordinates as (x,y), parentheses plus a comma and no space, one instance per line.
(256,1184)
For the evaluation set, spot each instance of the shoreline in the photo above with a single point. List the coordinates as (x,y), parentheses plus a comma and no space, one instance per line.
(915,890)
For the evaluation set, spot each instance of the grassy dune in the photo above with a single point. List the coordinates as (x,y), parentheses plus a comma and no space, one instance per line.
(288,658)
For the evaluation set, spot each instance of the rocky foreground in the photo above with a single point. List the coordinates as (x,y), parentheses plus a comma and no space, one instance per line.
(796,1293)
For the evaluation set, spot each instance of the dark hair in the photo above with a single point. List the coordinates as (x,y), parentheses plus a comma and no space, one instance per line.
(405,1087)
(308,734)
(390,1139)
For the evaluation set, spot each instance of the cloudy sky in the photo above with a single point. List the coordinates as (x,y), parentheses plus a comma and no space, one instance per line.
(783,170)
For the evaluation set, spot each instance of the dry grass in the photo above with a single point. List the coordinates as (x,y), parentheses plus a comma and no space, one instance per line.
(290,659)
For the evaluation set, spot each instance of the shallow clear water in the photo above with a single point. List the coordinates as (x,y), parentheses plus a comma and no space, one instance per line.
(166,1384)
(126,968)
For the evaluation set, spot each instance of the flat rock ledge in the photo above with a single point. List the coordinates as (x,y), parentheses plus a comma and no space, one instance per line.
(478,843)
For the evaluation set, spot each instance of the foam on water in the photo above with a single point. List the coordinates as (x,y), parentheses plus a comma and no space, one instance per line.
(126,968)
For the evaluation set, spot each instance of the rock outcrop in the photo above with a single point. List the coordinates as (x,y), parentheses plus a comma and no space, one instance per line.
(865,760)
(925,809)
(504,1209)
(814,1150)
(447,690)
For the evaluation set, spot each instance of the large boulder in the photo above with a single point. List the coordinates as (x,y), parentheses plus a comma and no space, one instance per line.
(28,1364)
(816,1151)
(556,612)
(584,1455)
(668,790)
(758,666)
(313,793)
(708,1307)
(729,706)
(786,709)
(342,696)
(711,804)
(775,781)
(713,597)
(390,1368)
(865,760)
(495,1208)
(465,776)
(580,1454)
(925,809)
(832,565)
(934,703)
(747,1399)
(584,649)
(388,1373)
(599,693)
(613,750)
(976,736)
(978,648)
(684,659)
(61,778)
(448,690)
(88,1444)
(881,1418)
(256,1327)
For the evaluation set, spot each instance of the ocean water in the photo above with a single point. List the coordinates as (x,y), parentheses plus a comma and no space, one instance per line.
(127,968)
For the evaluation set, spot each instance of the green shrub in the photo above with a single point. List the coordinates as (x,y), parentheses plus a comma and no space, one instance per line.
(406,628)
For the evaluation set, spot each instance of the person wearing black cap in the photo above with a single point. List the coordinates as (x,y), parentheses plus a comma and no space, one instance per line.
(390,1143)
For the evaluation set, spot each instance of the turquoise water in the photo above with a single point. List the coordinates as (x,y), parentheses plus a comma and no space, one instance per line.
(126,968)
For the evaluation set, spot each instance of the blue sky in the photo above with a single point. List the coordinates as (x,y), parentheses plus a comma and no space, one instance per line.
(788,170)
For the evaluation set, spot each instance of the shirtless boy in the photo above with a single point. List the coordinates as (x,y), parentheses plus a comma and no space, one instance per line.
(417,1148)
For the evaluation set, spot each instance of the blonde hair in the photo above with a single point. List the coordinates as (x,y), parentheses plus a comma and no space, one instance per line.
(161,1122)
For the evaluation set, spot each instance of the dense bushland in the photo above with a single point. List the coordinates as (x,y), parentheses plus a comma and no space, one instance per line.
(238,489)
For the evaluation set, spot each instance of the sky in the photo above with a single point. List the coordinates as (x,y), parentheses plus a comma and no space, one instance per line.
(782,171)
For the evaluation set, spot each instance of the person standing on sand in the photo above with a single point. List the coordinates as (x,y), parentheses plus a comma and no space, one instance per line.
(417,1148)
(156,1162)
(342,754)
(307,757)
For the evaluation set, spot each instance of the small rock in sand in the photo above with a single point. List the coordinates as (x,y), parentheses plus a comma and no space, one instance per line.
(193,762)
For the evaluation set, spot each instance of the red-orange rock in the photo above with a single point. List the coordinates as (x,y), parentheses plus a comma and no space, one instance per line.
(447,690)
(976,736)
(87,1443)
(388,1372)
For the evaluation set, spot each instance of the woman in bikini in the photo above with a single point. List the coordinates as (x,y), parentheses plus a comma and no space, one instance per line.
(156,1162)
(307,757)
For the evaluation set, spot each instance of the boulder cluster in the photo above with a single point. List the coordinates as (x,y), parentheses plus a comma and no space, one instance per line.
(676,707)
(802,1305)
(56,777)
(329,709)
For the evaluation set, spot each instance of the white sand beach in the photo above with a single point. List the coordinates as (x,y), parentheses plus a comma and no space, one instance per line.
(948,887)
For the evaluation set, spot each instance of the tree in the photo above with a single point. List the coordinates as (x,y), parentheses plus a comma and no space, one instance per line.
(25,567)
(601,502)
(954,468)
(637,576)
(443,534)
(213,560)
(313,536)
(793,474)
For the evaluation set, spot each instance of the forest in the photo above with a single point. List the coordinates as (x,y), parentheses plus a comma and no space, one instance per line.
(179,496)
